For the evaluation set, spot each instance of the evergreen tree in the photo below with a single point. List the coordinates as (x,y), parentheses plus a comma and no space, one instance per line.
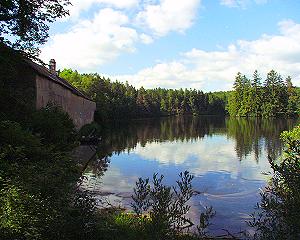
(292,98)
(274,98)
(236,97)
(256,94)
(245,108)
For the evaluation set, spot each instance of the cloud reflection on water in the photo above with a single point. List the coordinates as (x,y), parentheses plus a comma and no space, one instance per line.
(214,153)
(227,157)
(229,185)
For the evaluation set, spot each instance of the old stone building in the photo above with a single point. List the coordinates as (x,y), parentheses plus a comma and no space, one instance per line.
(38,86)
(51,88)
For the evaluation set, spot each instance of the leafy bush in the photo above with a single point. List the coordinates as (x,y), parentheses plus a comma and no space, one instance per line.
(54,127)
(93,129)
(39,197)
(23,180)
(159,213)
(278,215)
(166,207)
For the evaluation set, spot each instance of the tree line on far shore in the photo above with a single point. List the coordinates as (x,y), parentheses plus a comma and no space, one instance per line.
(251,97)
(116,100)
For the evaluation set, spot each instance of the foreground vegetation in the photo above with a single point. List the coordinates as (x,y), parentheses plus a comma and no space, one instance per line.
(278,213)
(39,196)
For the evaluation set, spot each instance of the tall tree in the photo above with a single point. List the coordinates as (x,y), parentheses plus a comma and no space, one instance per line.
(236,97)
(245,108)
(292,98)
(256,94)
(24,23)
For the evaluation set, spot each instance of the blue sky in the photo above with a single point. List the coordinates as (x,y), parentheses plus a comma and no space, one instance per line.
(190,44)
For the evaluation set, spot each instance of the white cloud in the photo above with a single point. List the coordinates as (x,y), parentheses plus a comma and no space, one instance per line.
(215,70)
(146,39)
(241,3)
(168,16)
(166,75)
(83,5)
(91,43)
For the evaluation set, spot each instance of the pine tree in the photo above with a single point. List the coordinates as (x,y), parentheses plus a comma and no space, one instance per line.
(292,97)
(256,94)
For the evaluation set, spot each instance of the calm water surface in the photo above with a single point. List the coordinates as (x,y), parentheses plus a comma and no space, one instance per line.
(227,156)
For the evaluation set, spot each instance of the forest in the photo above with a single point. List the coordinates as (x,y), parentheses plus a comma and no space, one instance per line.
(250,98)
(270,98)
(116,100)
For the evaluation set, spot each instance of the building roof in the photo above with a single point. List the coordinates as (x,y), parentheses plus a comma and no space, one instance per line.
(43,71)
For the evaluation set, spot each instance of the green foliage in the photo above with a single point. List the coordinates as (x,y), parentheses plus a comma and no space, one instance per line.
(93,129)
(159,213)
(116,100)
(22,155)
(278,215)
(132,226)
(53,126)
(233,106)
(16,95)
(27,21)
(73,77)
(272,98)
(166,206)
(22,213)
(39,194)
(290,136)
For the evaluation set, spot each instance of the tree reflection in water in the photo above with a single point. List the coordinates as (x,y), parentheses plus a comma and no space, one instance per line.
(250,138)
(250,134)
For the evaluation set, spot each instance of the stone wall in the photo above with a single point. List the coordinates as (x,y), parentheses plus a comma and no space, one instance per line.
(81,110)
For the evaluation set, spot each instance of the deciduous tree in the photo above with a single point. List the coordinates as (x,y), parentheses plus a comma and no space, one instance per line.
(24,24)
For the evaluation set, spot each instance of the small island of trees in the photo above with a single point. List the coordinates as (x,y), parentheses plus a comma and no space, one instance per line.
(273,97)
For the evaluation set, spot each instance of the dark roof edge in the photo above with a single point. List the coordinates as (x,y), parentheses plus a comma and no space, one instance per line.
(43,71)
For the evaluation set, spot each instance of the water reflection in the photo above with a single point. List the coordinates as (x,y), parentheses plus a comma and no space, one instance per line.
(226,155)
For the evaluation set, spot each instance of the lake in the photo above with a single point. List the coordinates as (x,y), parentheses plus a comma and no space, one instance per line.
(227,156)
